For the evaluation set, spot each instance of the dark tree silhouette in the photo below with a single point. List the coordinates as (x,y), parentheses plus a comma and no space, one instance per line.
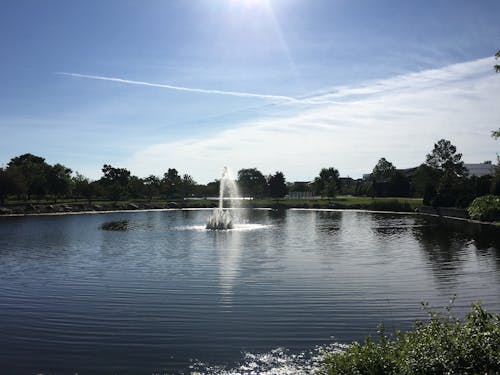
(444,157)
(33,171)
(383,170)
(328,182)
(277,185)
(252,182)
(171,183)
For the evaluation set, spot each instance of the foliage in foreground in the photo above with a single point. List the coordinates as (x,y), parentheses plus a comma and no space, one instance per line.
(444,345)
(485,208)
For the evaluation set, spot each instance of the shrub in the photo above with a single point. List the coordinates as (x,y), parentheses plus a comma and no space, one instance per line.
(485,208)
(443,345)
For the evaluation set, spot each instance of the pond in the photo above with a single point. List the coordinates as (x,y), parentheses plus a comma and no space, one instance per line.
(154,292)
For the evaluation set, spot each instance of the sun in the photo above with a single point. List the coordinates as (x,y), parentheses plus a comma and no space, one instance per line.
(251,3)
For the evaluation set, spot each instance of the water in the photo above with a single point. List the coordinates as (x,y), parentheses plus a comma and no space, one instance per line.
(157,293)
(223,219)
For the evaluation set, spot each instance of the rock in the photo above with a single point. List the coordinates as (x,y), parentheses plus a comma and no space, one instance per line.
(115,225)
(5,211)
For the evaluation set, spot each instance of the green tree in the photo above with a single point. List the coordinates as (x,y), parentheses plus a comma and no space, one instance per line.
(152,184)
(84,188)
(187,186)
(10,183)
(387,181)
(33,170)
(383,170)
(424,183)
(252,182)
(444,157)
(115,181)
(451,188)
(136,187)
(58,180)
(171,183)
(328,182)
(277,185)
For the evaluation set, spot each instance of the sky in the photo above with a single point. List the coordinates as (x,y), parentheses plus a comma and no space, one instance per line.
(278,85)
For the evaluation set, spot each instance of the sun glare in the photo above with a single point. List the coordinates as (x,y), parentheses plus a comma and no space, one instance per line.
(251,3)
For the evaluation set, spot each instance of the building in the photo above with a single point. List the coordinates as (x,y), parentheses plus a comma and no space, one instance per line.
(480,169)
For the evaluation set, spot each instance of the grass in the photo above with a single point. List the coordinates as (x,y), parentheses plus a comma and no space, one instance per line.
(382,204)
(341,202)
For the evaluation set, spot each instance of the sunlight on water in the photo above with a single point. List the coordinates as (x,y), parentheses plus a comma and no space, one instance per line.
(236,228)
(279,361)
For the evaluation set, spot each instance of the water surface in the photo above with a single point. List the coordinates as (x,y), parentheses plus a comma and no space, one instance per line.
(160,294)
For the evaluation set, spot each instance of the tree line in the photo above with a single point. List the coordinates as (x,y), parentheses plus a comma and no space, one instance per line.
(442,181)
(28,177)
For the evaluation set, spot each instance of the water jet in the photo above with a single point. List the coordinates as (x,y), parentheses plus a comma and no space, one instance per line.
(222,219)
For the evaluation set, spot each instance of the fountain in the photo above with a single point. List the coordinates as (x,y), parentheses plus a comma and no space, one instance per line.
(222,219)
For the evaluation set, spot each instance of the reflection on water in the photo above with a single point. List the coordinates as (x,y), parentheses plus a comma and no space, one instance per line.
(151,292)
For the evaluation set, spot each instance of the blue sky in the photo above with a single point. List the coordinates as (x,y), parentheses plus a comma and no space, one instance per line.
(333,83)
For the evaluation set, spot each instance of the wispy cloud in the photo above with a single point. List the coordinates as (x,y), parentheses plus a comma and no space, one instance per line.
(281,98)
(411,81)
(398,118)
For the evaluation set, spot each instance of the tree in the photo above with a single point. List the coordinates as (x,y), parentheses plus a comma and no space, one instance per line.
(211,189)
(328,182)
(10,183)
(115,181)
(33,170)
(171,183)
(152,184)
(187,186)
(252,182)
(277,185)
(444,158)
(58,180)
(136,187)
(424,182)
(115,175)
(383,170)
(84,188)
(497,66)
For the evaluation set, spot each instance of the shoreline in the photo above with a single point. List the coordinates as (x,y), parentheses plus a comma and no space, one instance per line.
(136,208)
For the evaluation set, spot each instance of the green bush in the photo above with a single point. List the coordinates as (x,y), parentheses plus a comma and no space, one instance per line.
(443,345)
(485,208)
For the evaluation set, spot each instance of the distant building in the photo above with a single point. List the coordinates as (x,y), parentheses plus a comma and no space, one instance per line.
(300,190)
(480,169)
(408,172)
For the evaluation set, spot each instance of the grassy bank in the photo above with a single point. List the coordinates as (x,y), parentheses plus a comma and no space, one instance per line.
(345,202)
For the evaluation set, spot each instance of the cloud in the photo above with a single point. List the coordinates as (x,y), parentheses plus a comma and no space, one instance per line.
(280,98)
(425,79)
(398,118)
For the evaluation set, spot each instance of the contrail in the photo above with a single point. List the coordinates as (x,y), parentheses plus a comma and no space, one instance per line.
(188,89)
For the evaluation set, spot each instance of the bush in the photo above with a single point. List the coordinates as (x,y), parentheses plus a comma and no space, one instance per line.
(485,208)
(444,345)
